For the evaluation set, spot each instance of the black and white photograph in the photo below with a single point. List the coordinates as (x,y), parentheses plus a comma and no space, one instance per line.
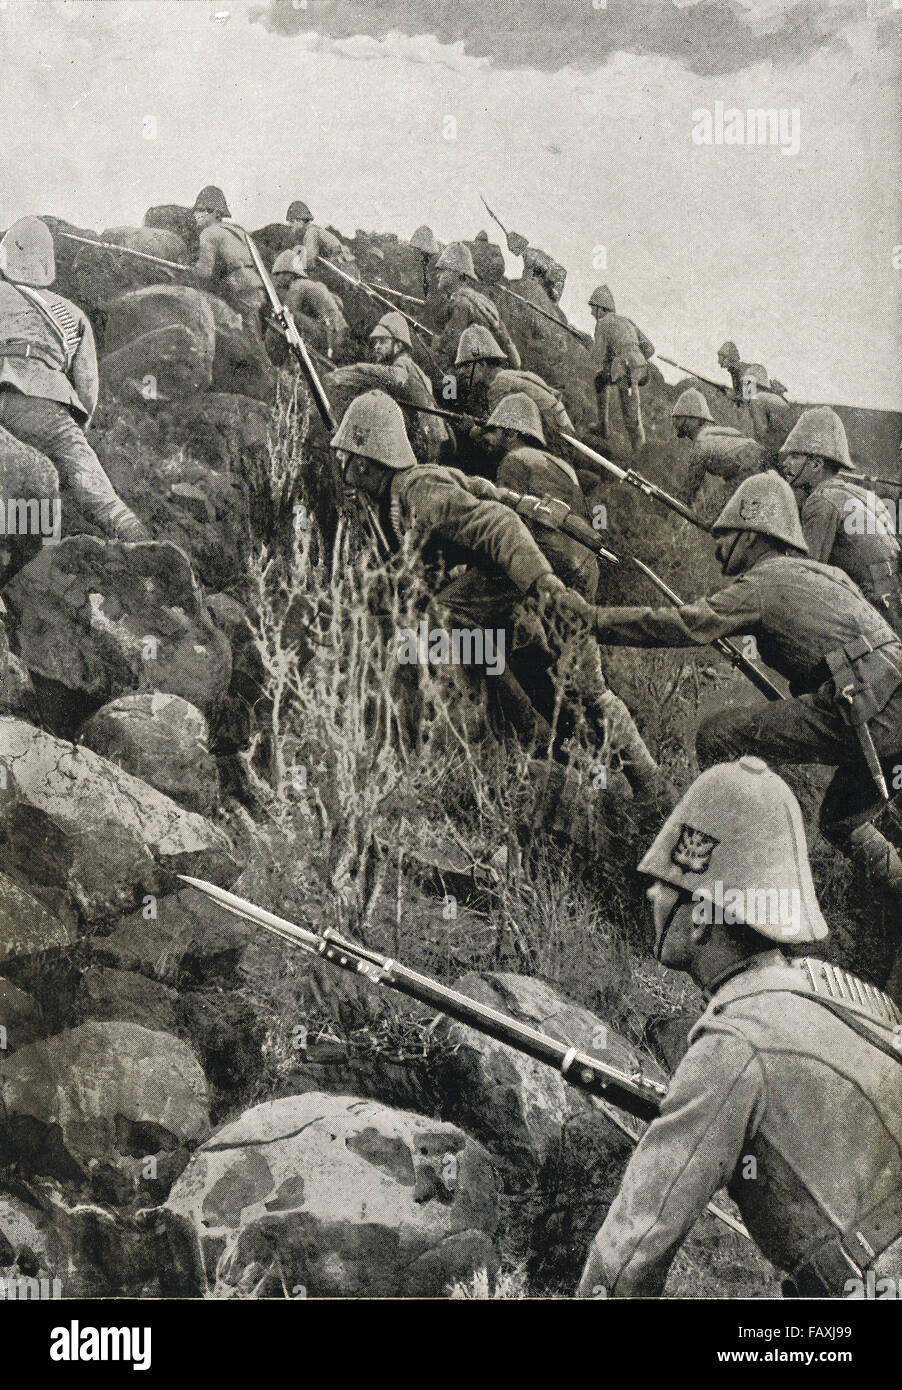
(451,665)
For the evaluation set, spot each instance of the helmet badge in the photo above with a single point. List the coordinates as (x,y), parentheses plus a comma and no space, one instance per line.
(692,851)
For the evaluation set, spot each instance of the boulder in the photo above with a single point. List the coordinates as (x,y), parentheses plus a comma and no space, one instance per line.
(105,995)
(98,276)
(188,940)
(135,315)
(339,1197)
(224,429)
(99,1100)
(68,816)
(102,618)
(53,1250)
(28,475)
(162,365)
(20,1017)
(163,740)
(26,926)
(516,1106)
(173,217)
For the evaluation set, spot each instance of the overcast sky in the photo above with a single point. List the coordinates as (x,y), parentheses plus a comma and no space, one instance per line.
(575,121)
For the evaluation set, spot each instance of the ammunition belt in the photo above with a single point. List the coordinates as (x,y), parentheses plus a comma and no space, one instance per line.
(848,1254)
(18,347)
(833,983)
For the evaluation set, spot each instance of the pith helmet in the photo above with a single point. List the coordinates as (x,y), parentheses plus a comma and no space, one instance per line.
(821,433)
(477,345)
(373,426)
(691,405)
(764,503)
(211,199)
(298,212)
(737,838)
(518,412)
(457,257)
(602,298)
(26,253)
(289,262)
(425,240)
(393,325)
(728,350)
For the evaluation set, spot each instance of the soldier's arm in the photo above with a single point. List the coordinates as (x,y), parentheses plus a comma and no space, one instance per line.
(83,371)
(760,417)
(483,526)
(708,1117)
(736,609)
(506,342)
(205,265)
(369,376)
(645,343)
(820,522)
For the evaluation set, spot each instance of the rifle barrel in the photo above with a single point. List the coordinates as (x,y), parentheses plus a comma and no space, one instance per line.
(636,480)
(124,250)
(636,1093)
(709,381)
(521,299)
(724,645)
(374,294)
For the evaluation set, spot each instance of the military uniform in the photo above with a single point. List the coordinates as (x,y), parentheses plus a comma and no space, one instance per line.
(789,1093)
(620,357)
(49,379)
(307,299)
(403,380)
(536,473)
(803,615)
(848,526)
(466,306)
(551,407)
(225,260)
(318,241)
(772,419)
(723,452)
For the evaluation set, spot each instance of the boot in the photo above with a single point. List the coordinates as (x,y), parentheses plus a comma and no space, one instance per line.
(874,854)
(644,775)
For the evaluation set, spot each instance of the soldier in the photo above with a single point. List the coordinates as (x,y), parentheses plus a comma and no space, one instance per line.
(844,523)
(225,260)
(541,270)
(424,241)
(307,299)
(396,373)
(455,519)
(488,381)
(48,376)
(728,358)
(716,449)
(620,358)
(459,305)
(316,241)
(488,259)
(815,627)
(789,1090)
(772,416)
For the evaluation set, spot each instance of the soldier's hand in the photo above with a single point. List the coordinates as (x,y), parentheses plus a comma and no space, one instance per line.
(571,605)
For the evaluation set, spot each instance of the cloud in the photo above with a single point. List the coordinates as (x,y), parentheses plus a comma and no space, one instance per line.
(706,36)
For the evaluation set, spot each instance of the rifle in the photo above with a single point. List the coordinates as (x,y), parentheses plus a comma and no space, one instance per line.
(374,294)
(633,1092)
(636,480)
(709,381)
(852,475)
(543,312)
(636,1093)
(494,216)
(557,516)
(724,645)
(289,328)
(124,250)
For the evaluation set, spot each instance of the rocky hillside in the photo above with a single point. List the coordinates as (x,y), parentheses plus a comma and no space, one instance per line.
(188,1109)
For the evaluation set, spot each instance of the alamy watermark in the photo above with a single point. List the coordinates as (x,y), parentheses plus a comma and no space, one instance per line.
(754,907)
(780,127)
(32,516)
(456,646)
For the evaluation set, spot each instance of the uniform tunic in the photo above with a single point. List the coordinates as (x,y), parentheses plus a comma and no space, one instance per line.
(551,407)
(791,1106)
(403,380)
(619,355)
(225,259)
(464,307)
(799,611)
(847,526)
